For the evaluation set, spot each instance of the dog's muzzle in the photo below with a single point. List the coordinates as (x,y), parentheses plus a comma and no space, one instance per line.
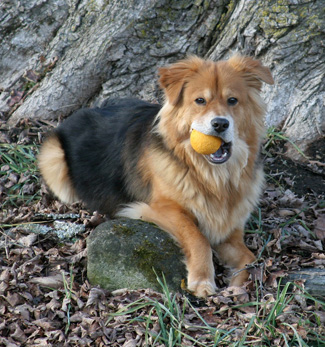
(221,155)
(221,127)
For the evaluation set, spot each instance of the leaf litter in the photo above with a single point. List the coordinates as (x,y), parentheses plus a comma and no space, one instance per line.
(45,298)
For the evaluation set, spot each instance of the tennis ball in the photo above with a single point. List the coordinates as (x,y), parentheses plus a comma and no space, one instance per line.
(204,144)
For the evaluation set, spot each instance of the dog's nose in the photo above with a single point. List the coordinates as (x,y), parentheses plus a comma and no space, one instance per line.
(220,124)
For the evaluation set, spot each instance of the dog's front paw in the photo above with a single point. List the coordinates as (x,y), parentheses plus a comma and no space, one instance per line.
(202,288)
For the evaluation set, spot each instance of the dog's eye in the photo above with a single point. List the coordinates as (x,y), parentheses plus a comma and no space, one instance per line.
(232,101)
(200,101)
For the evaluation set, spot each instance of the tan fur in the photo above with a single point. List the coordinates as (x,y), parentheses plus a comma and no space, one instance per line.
(54,169)
(201,204)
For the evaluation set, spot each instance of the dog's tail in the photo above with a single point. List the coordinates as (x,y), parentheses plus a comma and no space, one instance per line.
(55,171)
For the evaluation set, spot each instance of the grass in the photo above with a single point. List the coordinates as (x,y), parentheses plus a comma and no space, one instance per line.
(275,135)
(273,322)
(170,316)
(18,171)
(68,290)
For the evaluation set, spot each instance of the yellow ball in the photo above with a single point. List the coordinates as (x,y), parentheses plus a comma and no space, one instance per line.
(204,144)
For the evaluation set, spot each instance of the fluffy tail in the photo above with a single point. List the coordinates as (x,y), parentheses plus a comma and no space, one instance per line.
(54,169)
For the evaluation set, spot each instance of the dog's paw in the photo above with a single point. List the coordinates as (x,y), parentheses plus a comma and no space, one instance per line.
(202,288)
(239,278)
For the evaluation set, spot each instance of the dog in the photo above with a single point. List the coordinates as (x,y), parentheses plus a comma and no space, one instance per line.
(134,159)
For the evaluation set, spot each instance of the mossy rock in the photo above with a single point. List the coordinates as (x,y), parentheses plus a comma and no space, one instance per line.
(125,253)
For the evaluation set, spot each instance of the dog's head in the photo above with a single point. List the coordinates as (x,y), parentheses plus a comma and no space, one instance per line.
(216,98)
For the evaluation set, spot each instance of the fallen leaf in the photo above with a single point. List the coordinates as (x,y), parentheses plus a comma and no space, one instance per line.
(320,227)
(286,213)
(28,240)
(46,324)
(238,293)
(55,281)
(13,299)
(18,334)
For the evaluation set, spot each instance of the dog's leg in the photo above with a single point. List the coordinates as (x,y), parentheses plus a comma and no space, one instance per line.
(233,252)
(171,217)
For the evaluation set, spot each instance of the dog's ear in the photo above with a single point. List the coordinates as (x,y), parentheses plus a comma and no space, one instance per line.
(173,78)
(253,71)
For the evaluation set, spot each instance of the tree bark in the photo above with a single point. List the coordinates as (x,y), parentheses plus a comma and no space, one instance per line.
(106,49)
(289,36)
(113,49)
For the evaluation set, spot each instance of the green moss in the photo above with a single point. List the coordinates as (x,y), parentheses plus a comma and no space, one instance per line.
(149,256)
(94,5)
(231,6)
(276,19)
(225,16)
(142,33)
(120,228)
(145,256)
(281,17)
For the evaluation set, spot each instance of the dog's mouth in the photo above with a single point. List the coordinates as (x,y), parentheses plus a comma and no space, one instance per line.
(221,155)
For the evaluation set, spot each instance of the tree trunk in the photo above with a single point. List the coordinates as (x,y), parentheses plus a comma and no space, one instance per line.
(85,51)
(113,48)
(289,36)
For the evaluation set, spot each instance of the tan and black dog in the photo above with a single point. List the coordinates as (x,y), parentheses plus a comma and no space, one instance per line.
(134,159)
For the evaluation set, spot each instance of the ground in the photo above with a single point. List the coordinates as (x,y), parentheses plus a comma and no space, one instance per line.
(45,298)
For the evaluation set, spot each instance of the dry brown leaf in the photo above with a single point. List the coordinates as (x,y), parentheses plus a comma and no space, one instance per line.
(8,342)
(18,334)
(77,257)
(320,227)
(13,299)
(246,317)
(54,282)
(28,240)
(275,245)
(238,293)
(46,324)
(65,304)
(130,342)
(77,317)
(24,310)
(5,275)
(3,287)
(95,296)
(271,280)
(286,213)
(53,305)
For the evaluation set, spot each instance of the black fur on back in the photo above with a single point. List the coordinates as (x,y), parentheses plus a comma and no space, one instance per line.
(102,148)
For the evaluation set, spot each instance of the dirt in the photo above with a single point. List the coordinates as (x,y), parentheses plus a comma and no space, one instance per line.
(296,176)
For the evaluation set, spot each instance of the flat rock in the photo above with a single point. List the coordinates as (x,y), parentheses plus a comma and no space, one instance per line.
(125,253)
